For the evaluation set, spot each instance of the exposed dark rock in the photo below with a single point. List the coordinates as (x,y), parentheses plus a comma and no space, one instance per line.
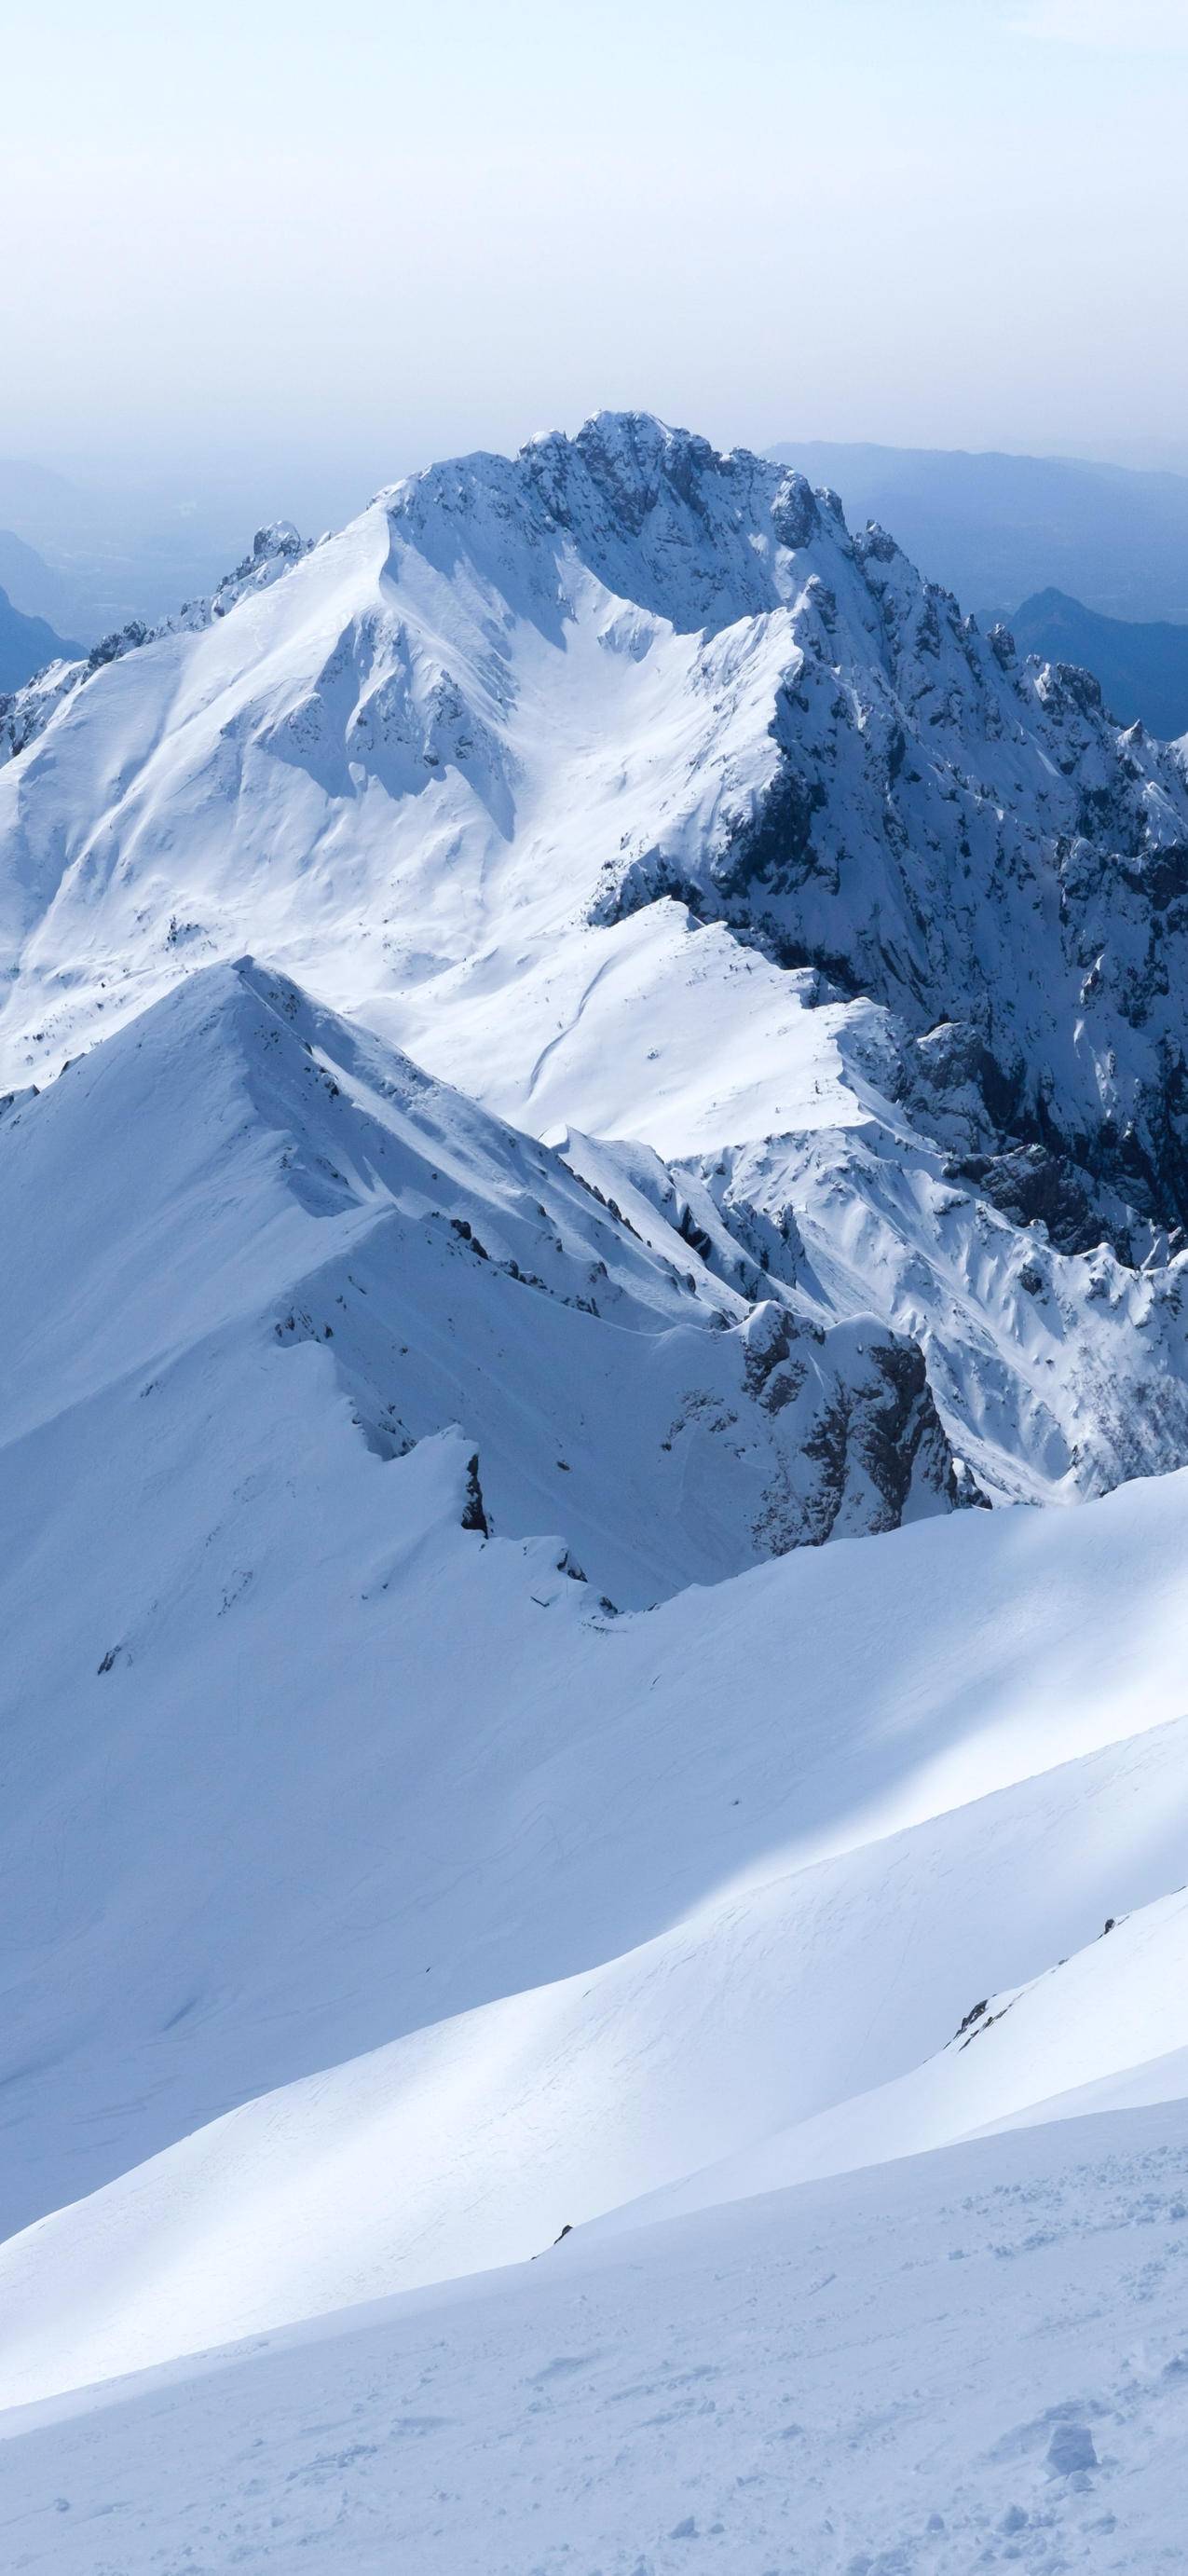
(474,1515)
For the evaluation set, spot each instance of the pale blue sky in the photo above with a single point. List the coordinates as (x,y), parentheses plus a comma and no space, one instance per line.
(382,232)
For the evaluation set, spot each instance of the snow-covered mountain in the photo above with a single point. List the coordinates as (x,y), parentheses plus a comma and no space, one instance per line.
(618,666)
(561,1048)
(546,769)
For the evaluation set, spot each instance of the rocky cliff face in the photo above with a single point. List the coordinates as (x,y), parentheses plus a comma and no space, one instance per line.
(240,1160)
(968,838)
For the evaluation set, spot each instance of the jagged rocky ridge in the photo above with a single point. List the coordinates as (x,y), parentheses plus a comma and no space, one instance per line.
(673,1429)
(511,768)
(25,711)
(964,836)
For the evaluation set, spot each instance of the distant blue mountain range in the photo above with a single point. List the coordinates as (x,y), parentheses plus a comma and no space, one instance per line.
(1143,670)
(27,644)
(996,529)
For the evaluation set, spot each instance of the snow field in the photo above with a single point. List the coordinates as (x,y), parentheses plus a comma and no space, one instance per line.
(970,2359)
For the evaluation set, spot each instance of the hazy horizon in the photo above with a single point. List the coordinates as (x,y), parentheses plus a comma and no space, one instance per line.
(938,225)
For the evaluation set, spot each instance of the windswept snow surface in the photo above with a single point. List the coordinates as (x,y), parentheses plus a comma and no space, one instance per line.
(1106,2029)
(971,2360)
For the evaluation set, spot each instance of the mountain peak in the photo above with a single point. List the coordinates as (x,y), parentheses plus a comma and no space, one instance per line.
(617,785)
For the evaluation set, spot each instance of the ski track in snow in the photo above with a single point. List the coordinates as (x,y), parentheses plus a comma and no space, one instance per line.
(566,1032)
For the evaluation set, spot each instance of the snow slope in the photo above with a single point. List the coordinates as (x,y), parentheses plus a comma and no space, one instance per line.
(1104,2030)
(972,2359)
(774,1839)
